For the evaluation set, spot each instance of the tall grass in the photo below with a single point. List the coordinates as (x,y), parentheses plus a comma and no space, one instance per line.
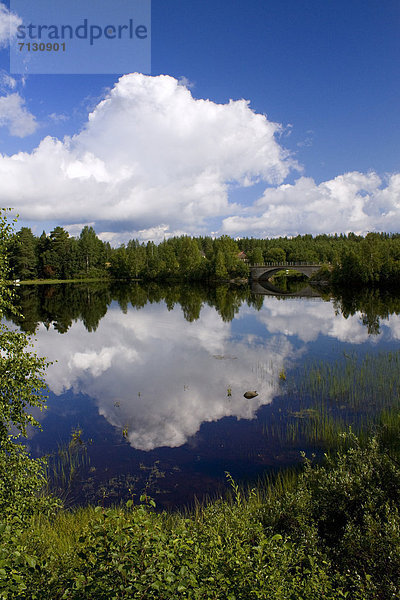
(64,468)
(322,399)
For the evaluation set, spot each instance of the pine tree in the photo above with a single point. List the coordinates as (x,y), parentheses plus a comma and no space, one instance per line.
(220,268)
(24,255)
(92,251)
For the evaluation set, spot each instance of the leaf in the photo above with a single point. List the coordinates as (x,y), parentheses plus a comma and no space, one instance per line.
(30,560)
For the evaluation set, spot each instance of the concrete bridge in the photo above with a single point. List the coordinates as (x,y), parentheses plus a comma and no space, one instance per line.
(266,271)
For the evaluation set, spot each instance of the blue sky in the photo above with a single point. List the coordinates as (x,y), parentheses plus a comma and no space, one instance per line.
(315,150)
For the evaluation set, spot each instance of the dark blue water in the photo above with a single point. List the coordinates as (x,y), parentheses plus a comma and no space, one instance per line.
(156,391)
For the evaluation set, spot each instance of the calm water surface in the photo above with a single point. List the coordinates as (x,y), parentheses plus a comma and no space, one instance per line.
(153,380)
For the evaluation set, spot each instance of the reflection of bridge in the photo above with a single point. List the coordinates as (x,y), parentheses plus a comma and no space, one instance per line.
(260,275)
(264,272)
(267,289)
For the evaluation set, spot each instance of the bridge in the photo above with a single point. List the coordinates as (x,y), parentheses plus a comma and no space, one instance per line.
(266,271)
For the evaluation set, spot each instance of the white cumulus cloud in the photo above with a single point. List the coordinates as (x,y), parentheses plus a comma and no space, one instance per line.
(15,116)
(8,24)
(6,81)
(351,202)
(149,155)
(152,161)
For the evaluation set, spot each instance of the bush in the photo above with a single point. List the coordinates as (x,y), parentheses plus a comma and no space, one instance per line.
(348,508)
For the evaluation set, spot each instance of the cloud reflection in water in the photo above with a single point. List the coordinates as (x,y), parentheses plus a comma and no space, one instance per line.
(159,377)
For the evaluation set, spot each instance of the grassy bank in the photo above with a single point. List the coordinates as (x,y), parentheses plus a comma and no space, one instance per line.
(331,532)
(53,281)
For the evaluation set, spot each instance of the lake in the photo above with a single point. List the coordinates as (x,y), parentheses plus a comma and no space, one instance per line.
(147,383)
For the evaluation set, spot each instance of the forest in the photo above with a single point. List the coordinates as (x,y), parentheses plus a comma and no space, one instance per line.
(371,260)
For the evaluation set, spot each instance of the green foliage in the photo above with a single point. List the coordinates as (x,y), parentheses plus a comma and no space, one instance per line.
(21,384)
(348,509)
(136,553)
(21,389)
(256,256)
(24,256)
(332,532)
(275,254)
(373,260)
(6,230)
(220,268)
(322,275)
(22,481)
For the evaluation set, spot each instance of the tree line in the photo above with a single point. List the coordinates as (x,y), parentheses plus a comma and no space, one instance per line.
(372,260)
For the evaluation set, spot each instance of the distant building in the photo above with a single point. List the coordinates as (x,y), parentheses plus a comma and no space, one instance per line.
(243,256)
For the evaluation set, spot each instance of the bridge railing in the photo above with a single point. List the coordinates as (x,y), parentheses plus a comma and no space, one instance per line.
(299,263)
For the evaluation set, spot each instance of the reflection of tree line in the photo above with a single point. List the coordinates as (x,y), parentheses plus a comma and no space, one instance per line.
(62,304)
(59,305)
(374,305)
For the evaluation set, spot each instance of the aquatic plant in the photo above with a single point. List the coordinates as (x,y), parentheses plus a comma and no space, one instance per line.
(322,399)
(65,466)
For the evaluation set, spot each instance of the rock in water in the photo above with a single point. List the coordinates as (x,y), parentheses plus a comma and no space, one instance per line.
(250,395)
